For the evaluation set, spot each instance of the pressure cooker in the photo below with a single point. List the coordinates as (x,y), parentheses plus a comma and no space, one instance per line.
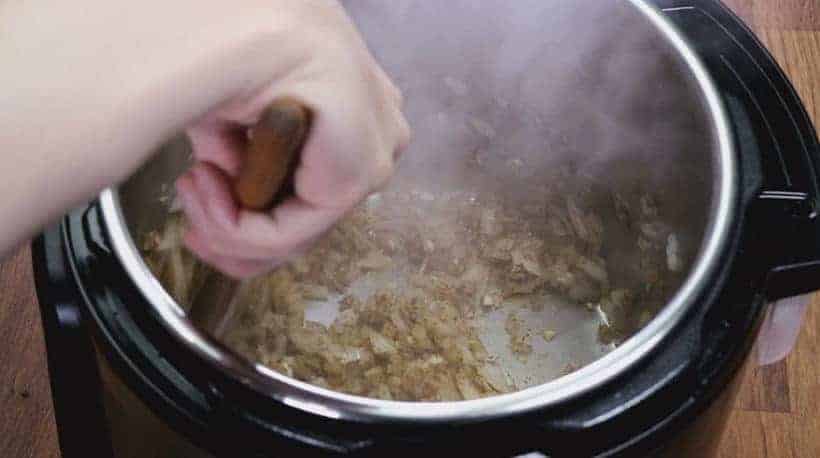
(677,96)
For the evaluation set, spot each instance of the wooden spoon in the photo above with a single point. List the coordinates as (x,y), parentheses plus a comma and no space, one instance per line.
(265,179)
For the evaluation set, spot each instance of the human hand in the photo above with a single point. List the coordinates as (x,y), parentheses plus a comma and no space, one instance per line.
(91,90)
(357,134)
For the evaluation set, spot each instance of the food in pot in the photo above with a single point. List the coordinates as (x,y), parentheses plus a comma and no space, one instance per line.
(393,302)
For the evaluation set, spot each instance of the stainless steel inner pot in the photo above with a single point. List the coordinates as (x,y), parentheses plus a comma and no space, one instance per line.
(609,89)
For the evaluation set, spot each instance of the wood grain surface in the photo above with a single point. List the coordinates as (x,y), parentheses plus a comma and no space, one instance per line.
(776,415)
(27,426)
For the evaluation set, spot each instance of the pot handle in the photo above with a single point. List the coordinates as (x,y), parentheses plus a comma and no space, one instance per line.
(776,143)
(780,328)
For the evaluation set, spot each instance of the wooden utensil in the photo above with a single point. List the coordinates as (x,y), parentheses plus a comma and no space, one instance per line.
(265,179)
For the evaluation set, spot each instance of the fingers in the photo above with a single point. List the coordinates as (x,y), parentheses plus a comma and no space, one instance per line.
(290,230)
(357,136)
(218,142)
(243,243)
(333,176)
(404,136)
(212,213)
(206,198)
(334,164)
(233,267)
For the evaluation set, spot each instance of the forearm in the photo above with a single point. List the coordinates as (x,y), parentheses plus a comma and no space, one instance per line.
(87,94)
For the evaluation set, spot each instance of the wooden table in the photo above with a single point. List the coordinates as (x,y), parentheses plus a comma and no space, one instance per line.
(777,413)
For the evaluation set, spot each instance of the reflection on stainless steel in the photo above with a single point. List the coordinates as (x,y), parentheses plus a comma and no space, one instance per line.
(679,145)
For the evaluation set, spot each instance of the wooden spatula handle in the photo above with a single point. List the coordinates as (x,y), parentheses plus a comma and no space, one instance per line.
(273,151)
(272,154)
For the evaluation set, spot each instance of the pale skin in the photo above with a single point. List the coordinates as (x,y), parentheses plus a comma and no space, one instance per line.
(90,89)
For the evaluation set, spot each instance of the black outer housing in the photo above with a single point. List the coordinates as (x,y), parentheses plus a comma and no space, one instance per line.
(773,252)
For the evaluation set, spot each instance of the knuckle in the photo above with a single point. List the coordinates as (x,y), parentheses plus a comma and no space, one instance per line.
(405,133)
(383,171)
(392,92)
(396,94)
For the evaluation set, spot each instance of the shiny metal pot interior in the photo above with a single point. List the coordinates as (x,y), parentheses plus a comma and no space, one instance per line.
(606,89)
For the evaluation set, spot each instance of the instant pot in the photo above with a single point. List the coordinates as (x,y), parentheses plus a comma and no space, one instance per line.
(130,377)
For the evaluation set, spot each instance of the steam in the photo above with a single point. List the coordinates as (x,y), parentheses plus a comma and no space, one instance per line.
(539,85)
